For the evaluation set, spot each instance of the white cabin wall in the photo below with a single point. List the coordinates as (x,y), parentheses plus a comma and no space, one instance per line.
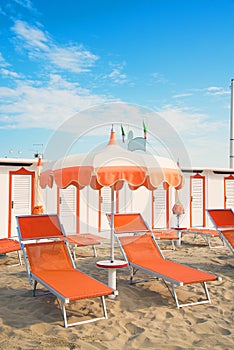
(173,218)
(4,192)
(49,196)
(137,201)
(89,201)
(125,199)
(160,207)
(4,203)
(67,208)
(214,193)
(215,190)
(129,201)
(214,184)
(184,195)
(93,210)
(84,198)
(141,203)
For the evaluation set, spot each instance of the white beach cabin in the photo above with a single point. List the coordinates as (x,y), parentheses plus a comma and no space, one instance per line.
(17,177)
(85,210)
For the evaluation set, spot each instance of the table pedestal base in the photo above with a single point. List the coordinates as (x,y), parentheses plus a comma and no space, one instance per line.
(112,267)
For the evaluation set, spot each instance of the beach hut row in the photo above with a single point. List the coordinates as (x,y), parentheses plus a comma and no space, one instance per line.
(84,210)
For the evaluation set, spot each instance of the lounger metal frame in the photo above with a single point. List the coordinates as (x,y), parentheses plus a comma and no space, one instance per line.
(205,236)
(73,249)
(86,236)
(34,279)
(62,301)
(220,228)
(20,260)
(157,236)
(134,268)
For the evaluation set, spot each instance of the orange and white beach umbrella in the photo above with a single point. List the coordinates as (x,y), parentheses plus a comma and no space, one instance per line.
(112,166)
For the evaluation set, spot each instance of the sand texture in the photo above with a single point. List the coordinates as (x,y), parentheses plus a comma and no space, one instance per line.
(143,316)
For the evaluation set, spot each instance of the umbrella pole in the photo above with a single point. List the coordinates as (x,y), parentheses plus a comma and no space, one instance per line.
(112,223)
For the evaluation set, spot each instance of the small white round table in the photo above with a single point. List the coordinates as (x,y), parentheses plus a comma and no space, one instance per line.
(112,267)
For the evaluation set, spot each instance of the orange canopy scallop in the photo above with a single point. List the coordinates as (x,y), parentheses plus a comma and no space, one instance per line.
(112,166)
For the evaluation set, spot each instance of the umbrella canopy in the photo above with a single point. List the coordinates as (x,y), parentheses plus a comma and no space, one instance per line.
(112,166)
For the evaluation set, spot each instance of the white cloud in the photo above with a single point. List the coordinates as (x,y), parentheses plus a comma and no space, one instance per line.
(206,139)
(40,46)
(73,58)
(116,75)
(187,120)
(3,62)
(209,91)
(24,3)
(182,95)
(47,103)
(9,73)
(215,90)
(157,77)
(46,107)
(32,38)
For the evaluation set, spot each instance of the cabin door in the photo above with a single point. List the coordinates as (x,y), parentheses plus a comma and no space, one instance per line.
(105,207)
(67,208)
(160,208)
(229,192)
(21,197)
(197,201)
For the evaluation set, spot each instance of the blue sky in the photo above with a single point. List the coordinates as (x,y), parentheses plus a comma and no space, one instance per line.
(173,57)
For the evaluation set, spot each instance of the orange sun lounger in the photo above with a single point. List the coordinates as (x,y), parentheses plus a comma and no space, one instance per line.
(134,223)
(167,234)
(48,262)
(83,240)
(8,245)
(205,233)
(142,253)
(223,220)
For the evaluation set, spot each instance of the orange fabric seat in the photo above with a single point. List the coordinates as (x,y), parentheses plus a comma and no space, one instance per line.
(8,245)
(134,223)
(84,239)
(68,283)
(166,234)
(229,236)
(223,220)
(143,253)
(129,223)
(49,262)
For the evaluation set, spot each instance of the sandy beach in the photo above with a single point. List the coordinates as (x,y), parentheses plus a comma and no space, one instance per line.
(143,316)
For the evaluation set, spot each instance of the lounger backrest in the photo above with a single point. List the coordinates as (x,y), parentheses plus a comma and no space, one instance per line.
(39,227)
(139,248)
(128,223)
(222,217)
(48,256)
